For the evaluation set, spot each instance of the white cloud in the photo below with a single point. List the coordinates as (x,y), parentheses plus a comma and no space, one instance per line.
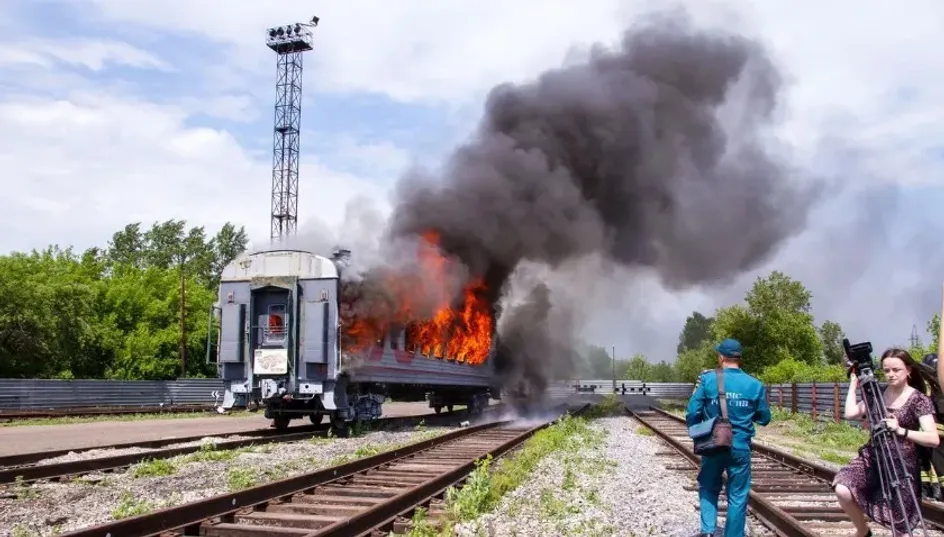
(92,54)
(77,169)
(847,59)
(239,108)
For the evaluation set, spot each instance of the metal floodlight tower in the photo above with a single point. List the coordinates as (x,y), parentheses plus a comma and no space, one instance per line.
(289,42)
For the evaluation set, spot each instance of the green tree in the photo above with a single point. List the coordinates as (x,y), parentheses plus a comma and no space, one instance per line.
(693,361)
(596,363)
(113,312)
(228,243)
(831,336)
(48,318)
(144,306)
(790,371)
(170,244)
(696,331)
(934,326)
(663,372)
(638,369)
(775,325)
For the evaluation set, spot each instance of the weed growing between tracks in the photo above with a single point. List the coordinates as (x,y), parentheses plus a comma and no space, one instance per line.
(575,447)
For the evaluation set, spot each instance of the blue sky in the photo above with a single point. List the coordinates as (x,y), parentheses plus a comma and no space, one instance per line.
(114,111)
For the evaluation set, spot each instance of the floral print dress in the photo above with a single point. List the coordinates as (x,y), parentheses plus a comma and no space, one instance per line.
(861,475)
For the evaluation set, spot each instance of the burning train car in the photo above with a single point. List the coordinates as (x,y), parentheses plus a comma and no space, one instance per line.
(289,342)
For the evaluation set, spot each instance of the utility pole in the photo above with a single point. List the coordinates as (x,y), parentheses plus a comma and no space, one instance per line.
(613,349)
(915,340)
(183,320)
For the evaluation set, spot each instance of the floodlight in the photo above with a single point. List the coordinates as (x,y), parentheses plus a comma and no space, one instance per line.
(314,20)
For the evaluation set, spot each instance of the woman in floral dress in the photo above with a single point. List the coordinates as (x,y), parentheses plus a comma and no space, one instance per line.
(911,417)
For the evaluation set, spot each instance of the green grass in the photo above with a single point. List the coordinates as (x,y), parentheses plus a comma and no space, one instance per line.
(153,468)
(23,490)
(23,531)
(821,434)
(489,482)
(239,478)
(209,453)
(827,440)
(609,406)
(128,506)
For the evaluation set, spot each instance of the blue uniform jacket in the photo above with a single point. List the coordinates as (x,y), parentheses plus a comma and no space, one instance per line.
(747,403)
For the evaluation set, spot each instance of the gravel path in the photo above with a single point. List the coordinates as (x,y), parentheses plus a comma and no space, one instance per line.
(51,508)
(617,487)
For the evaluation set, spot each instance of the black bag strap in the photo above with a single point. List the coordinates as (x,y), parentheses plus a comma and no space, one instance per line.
(722,396)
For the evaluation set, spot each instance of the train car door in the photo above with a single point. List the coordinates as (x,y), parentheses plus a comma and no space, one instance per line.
(271,344)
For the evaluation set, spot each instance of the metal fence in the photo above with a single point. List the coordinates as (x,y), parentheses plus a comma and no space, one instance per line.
(668,390)
(822,401)
(39,394)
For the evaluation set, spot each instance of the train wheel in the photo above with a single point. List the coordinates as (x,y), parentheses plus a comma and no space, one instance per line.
(437,409)
(449,408)
(281,422)
(316,418)
(340,428)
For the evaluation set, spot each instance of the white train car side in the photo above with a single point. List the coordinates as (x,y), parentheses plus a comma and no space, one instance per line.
(279,347)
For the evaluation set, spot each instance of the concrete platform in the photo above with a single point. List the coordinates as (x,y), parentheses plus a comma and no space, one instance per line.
(28,438)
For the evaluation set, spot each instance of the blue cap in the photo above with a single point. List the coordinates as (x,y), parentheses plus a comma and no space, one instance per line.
(730,348)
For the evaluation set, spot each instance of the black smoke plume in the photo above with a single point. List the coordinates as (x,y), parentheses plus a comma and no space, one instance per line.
(654,154)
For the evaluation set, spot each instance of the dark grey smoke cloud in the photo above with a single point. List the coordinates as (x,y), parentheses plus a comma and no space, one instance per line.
(654,155)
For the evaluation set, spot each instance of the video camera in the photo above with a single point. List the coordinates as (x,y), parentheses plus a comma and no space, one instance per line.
(860,357)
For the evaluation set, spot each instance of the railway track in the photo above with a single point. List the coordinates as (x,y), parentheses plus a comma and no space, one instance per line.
(370,496)
(790,496)
(26,468)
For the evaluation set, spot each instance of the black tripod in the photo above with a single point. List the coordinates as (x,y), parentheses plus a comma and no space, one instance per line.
(894,479)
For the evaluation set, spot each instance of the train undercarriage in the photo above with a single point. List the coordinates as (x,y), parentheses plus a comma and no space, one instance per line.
(364,403)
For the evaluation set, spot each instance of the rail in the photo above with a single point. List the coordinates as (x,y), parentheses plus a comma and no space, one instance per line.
(221,515)
(783,484)
(24,467)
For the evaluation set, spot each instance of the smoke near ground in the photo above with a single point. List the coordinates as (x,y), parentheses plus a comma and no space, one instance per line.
(652,155)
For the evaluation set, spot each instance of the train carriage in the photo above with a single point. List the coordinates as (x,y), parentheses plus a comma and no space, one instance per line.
(279,346)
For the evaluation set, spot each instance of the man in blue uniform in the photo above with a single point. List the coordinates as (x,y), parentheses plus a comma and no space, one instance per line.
(746,405)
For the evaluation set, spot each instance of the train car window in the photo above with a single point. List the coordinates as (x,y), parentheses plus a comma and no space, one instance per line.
(275,331)
(409,338)
(395,338)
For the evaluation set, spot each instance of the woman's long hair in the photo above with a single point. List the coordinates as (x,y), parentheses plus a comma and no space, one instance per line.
(918,377)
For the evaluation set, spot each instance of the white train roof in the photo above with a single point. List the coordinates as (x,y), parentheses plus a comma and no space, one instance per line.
(279,263)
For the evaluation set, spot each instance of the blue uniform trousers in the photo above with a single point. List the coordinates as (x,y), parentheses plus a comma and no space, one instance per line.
(738,466)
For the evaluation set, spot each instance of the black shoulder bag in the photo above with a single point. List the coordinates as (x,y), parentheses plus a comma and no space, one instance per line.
(714,435)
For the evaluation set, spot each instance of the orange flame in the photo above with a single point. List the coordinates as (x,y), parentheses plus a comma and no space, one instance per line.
(460,327)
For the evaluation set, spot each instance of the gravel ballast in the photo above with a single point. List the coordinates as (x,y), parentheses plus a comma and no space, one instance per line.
(618,487)
(49,508)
